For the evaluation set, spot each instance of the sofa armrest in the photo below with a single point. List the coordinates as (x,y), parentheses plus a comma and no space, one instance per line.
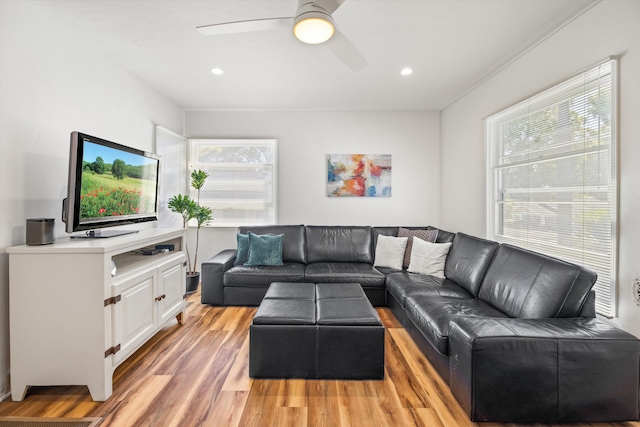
(544,370)
(588,308)
(213,276)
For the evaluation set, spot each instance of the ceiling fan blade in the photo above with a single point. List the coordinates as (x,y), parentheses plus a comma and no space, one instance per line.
(346,51)
(245,26)
(329,5)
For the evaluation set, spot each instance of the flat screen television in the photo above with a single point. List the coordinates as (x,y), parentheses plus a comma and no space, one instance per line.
(109,185)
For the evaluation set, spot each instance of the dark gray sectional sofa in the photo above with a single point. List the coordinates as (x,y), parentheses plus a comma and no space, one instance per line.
(314,254)
(512,332)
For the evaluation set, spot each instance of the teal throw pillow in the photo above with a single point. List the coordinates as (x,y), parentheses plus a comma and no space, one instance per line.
(242,254)
(265,249)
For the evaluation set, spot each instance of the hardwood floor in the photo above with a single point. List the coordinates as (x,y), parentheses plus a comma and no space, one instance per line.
(197,375)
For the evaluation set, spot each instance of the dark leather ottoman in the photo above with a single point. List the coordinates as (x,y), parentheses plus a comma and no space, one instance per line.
(323,331)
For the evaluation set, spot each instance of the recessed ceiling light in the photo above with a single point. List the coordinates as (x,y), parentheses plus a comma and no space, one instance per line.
(406,71)
(217,71)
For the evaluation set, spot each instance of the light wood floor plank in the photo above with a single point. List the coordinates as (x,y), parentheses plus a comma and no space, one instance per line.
(291,417)
(323,402)
(227,409)
(410,392)
(260,409)
(201,395)
(139,403)
(356,407)
(440,398)
(424,417)
(238,379)
(386,403)
(293,394)
(197,374)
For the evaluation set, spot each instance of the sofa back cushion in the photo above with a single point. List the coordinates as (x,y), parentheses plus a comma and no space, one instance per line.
(339,244)
(293,245)
(468,261)
(527,284)
(382,231)
(443,235)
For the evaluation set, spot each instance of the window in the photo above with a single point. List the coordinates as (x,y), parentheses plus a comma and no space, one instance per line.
(551,175)
(241,188)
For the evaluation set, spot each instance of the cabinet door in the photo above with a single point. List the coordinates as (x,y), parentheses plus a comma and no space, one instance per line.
(171,287)
(134,317)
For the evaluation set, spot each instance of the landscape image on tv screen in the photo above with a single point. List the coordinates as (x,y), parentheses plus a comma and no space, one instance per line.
(116,183)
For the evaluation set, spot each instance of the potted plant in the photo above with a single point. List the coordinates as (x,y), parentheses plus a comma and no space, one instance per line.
(191,209)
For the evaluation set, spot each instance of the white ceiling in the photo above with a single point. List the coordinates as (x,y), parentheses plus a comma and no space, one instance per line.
(450,44)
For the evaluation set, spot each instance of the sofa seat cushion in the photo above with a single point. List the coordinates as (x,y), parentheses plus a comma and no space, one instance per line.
(263,276)
(344,272)
(402,284)
(387,271)
(433,315)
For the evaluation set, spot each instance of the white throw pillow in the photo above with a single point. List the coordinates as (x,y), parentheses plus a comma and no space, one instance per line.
(428,258)
(390,251)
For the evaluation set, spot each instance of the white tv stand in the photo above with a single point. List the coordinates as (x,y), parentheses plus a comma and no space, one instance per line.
(73,323)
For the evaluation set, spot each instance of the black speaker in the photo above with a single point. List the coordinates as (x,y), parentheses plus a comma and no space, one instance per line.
(40,231)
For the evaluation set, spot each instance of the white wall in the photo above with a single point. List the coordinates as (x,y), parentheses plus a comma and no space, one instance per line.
(306,137)
(612,27)
(52,84)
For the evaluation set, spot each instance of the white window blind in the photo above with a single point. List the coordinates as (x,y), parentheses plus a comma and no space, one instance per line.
(551,175)
(242,185)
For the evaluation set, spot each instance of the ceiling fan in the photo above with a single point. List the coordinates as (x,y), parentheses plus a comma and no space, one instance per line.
(313,24)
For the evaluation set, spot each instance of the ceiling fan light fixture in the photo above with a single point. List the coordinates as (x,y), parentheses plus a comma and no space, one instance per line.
(313,27)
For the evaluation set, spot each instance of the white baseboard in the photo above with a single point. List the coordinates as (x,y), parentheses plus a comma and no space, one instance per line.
(5,396)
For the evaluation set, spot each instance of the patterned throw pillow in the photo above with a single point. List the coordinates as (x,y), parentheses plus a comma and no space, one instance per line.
(426,235)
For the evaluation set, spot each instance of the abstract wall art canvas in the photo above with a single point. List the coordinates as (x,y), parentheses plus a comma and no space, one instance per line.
(359,175)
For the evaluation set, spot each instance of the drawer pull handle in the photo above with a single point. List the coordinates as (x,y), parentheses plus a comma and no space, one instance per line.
(112,300)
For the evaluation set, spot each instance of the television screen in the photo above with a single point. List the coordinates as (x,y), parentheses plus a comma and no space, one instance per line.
(109,184)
